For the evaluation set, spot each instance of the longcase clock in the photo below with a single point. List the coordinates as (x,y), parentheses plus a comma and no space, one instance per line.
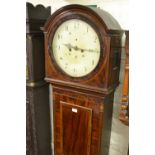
(37,99)
(82,61)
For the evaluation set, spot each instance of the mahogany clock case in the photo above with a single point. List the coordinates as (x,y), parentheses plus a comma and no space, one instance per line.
(82,107)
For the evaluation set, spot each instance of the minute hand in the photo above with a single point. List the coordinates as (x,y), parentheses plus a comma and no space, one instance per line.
(89,50)
(69,46)
(76,48)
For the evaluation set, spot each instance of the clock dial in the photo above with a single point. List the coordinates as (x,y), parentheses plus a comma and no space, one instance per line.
(76,48)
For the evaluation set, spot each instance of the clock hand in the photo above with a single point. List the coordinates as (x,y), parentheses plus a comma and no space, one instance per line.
(88,50)
(76,48)
(69,46)
(91,50)
(82,50)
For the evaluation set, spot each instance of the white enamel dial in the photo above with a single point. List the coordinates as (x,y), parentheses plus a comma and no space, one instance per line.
(76,48)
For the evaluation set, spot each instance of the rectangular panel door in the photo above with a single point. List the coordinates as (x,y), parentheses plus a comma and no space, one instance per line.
(75,129)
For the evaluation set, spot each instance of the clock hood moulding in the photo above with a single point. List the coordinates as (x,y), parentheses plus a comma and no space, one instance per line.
(109,22)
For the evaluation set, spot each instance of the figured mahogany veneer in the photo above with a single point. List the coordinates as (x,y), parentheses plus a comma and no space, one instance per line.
(82,107)
(85,132)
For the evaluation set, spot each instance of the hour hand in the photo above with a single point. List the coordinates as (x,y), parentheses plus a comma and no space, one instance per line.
(69,46)
(82,50)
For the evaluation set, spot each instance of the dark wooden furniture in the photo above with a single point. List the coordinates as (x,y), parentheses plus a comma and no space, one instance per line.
(37,99)
(82,107)
(124,111)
